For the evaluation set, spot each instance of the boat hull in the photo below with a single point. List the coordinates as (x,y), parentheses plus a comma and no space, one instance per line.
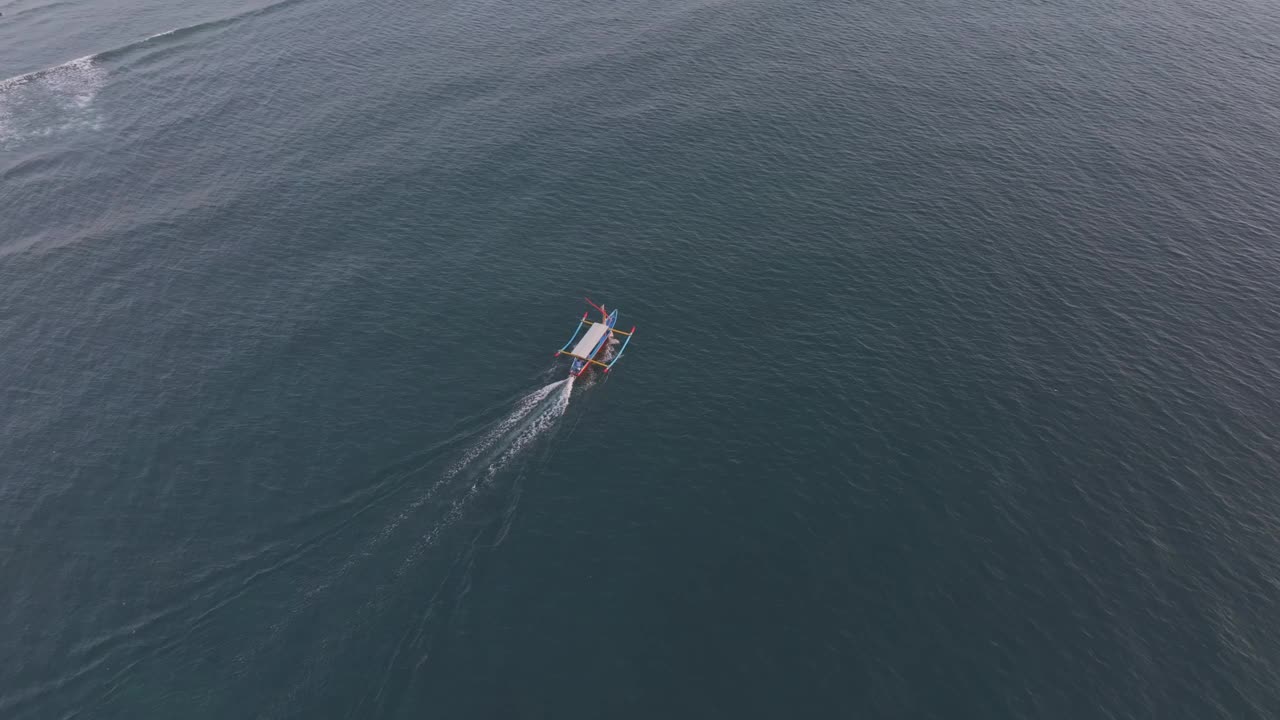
(580,366)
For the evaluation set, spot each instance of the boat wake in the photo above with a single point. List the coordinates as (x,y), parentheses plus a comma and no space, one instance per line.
(414,542)
(534,417)
(527,418)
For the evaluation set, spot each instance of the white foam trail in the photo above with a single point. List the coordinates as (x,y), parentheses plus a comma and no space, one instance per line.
(537,416)
(537,424)
(523,407)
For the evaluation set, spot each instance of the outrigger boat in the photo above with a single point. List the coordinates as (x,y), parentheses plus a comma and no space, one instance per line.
(594,341)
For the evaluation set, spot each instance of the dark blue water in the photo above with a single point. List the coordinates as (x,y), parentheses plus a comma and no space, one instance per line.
(954,392)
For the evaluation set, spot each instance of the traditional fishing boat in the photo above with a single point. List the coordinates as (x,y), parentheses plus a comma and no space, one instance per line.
(591,347)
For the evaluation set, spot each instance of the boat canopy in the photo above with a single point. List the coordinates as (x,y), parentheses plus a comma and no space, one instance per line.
(590,341)
(586,347)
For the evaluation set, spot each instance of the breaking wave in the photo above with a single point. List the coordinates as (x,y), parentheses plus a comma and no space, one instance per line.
(49,101)
(188,30)
(58,72)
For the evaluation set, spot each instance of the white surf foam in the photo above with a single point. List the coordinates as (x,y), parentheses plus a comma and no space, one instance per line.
(53,100)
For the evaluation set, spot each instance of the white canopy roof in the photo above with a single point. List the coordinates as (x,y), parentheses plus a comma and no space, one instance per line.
(589,340)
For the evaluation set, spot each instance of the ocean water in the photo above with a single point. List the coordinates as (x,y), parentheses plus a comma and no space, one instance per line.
(954,392)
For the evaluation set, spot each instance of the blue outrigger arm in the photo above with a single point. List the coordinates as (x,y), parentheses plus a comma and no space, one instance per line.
(585,348)
(581,324)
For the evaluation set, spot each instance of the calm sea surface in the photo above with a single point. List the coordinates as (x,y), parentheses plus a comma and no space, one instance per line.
(955,392)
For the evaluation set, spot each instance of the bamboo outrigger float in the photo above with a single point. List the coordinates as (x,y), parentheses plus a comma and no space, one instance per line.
(594,341)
